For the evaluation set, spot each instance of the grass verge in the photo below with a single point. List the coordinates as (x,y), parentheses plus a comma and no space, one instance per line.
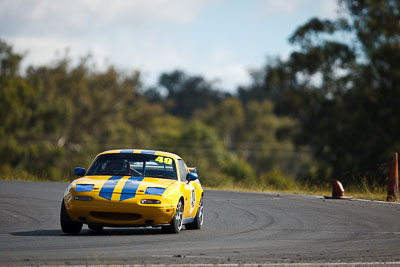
(375,193)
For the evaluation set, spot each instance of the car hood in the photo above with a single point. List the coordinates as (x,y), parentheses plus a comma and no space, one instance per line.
(127,186)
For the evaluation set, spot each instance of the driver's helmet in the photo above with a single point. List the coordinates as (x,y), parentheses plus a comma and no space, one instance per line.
(116,166)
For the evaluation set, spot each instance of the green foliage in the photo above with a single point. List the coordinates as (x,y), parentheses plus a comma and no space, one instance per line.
(59,116)
(227,119)
(241,172)
(199,145)
(343,87)
(329,111)
(187,93)
(252,132)
(276,180)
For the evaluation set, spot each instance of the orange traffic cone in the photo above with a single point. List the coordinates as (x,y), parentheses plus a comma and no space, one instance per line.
(337,191)
(393,182)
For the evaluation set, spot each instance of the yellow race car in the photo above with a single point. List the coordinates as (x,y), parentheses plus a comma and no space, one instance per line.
(132,187)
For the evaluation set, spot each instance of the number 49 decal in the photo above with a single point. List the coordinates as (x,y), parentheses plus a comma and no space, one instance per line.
(164,160)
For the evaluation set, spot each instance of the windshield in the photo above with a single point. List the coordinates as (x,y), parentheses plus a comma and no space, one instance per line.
(139,165)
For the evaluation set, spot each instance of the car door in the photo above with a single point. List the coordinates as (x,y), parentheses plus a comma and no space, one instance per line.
(186,188)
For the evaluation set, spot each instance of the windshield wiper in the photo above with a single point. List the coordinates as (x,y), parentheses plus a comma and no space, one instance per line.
(113,174)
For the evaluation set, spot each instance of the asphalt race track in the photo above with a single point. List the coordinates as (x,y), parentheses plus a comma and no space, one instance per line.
(240,228)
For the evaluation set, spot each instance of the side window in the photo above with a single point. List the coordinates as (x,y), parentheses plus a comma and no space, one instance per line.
(182,170)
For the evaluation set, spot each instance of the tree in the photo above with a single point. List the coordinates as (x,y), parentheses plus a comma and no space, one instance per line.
(23,120)
(187,93)
(343,85)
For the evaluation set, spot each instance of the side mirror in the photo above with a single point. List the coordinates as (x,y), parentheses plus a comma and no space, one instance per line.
(192,169)
(79,171)
(192,176)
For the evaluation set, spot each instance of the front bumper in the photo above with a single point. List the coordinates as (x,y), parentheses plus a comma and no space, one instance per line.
(117,213)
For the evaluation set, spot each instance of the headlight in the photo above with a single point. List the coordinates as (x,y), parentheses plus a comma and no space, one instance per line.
(84,187)
(157,191)
(150,201)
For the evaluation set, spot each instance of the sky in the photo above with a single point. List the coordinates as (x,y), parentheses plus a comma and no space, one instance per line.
(221,40)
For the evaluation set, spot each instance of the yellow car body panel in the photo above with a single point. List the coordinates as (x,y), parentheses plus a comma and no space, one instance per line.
(108,200)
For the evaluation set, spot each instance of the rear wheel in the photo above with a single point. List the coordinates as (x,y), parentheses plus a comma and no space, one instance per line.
(67,225)
(199,219)
(176,223)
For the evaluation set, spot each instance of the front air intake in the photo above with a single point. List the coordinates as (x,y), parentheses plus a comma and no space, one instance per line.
(115,216)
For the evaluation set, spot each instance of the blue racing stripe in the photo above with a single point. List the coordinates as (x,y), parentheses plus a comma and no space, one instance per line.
(148,152)
(126,151)
(108,187)
(130,187)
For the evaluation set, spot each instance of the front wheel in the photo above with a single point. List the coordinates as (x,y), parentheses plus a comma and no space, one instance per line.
(176,223)
(67,225)
(199,219)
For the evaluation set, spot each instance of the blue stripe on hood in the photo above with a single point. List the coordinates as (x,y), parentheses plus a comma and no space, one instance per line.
(108,187)
(130,188)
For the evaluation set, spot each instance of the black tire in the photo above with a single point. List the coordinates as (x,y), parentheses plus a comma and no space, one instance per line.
(67,225)
(176,222)
(97,228)
(199,219)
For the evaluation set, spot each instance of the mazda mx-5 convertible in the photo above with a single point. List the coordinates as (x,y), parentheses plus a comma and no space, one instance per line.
(132,187)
